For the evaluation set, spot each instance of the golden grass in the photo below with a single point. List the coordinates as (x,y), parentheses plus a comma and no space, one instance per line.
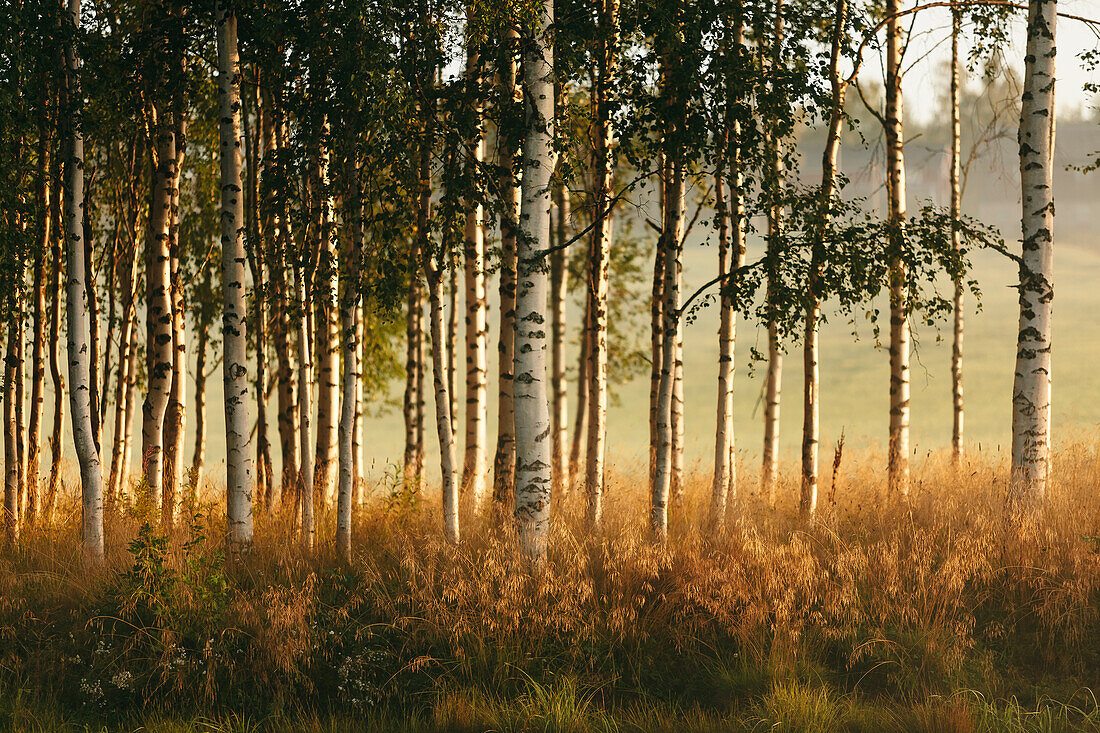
(935,612)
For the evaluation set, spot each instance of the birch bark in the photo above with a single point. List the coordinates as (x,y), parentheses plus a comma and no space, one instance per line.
(898,457)
(474,467)
(234,336)
(773,380)
(599,256)
(1031,387)
(327,335)
(807,504)
(91,479)
(532,410)
(559,383)
(159,352)
(504,460)
(958,303)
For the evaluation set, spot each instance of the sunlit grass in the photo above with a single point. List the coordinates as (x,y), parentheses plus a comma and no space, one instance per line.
(937,612)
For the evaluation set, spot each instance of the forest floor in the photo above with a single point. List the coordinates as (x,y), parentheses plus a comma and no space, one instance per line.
(938,612)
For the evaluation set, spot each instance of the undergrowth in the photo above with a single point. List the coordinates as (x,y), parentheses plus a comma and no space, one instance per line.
(935,612)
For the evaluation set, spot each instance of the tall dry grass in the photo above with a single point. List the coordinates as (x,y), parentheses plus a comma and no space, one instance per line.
(940,606)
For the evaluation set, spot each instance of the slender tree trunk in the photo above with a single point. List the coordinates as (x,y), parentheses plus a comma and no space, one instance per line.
(349,342)
(1031,388)
(357,430)
(452,338)
(92,300)
(126,345)
(677,479)
(442,398)
(175,416)
(807,504)
(11,424)
(599,259)
(256,223)
(414,363)
(956,212)
(580,420)
(348,408)
(287,399)
(305,410)
(731,256)
(328,341)
(124,476)
(898,458)
(656,341)
(532,410)
(38,359)
(56,293)
(559,382)
(773,380)
(198,456)
(160,357)
(19,376)
(504,461)
(672,226)
(474,468)
(91,479)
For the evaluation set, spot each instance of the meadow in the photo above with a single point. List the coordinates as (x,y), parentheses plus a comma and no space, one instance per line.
(939,612)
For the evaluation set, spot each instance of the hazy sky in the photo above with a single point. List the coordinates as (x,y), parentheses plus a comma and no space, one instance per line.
(926,82)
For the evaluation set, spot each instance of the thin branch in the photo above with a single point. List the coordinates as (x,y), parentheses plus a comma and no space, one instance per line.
(714,281)
(595,219)
(873,32)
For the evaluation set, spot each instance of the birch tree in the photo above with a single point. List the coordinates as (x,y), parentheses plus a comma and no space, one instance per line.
(474,467)
(773,380)
(160,356)
(1031,387)
(532,412)
(504,459)
(956,212)
(559,384)
(91,478)
(599,257)
(815,288)
(350,315)
(898,456)
(234,342)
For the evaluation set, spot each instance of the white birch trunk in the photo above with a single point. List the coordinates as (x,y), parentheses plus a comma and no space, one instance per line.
(414,365)
(532,410)
(305,410)
(91,478)
(731,255)
(773,379)
(811,405)
(11,428)
(672,224)
(504,459)
(898,457)
(474,468)
(327,338)
(677,480)
(559,383)
(57,434)
(599,260)
(38,358)
(1031,388)
(350,390)
(956,212)
(175,418)
(357,430)
(442,402)
(234,363)
(160,355)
